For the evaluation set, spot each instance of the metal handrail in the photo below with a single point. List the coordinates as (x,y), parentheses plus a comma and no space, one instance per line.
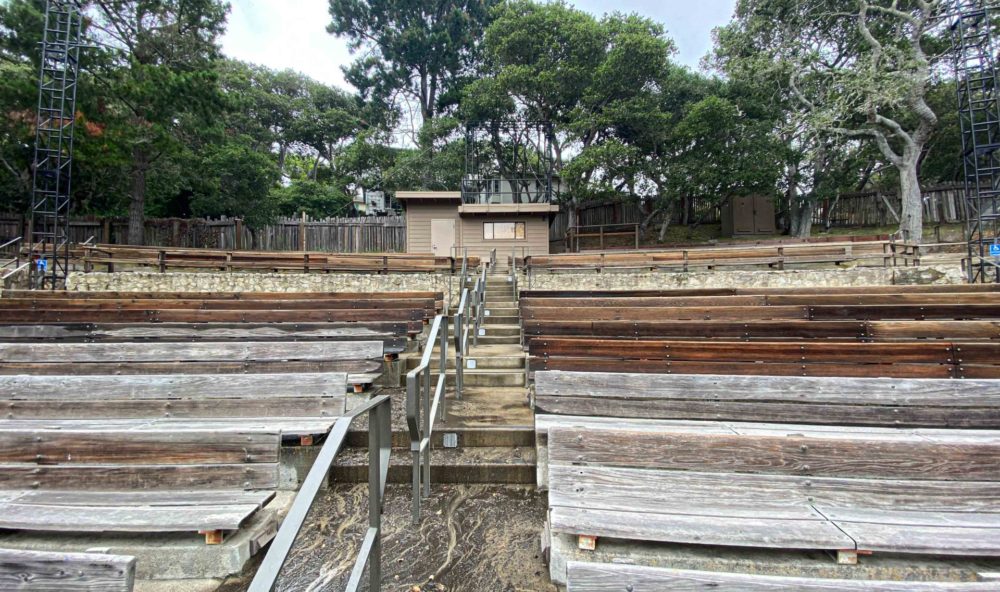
(422,408)
(379,411)
(461,330)
(480,301)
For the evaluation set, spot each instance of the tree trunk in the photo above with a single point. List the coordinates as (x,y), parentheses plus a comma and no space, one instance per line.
(911,221)
(137,202)
(801,214)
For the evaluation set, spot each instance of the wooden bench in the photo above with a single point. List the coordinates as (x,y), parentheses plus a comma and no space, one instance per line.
(768,330)
(41,571)
(607,577)
(36,295)
(735,313)
(831,290)
(175,453)
(635,458)
(109,256)
(885,253)
(909,359)
(392,334)
(361,360)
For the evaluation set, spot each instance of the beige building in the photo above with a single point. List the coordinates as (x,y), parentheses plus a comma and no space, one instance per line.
(440,222)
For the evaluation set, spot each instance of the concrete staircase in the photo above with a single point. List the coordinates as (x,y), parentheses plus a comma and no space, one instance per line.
(487,436)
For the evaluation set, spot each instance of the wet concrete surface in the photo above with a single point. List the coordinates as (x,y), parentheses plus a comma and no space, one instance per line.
(472,538)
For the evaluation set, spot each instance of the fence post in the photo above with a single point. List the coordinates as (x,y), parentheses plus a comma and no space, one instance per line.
(302,232)
(238,234)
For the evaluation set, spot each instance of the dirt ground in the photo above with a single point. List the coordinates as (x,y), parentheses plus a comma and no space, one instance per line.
(472,538)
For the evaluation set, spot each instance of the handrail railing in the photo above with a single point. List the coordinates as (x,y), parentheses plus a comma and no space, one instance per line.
(461,330)
(480,302)
(422,407)
(379,447)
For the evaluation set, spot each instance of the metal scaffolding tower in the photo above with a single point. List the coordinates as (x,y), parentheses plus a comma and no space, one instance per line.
(53,164)
(979,117)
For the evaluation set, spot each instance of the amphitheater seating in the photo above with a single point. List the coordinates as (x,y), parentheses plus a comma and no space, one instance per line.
(174,453)
(607,577)
(845,465)
(40,571)
(107,257)
(884,253)
(889,332)
(391,317)
(362,361)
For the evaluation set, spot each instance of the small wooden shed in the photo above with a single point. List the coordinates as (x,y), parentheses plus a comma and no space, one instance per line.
(440,221)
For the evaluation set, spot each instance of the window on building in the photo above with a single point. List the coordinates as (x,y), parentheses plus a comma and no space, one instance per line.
(503,231)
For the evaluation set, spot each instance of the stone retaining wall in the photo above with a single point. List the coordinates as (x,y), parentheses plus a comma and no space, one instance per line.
(856,276)
(136,281)
(440,282)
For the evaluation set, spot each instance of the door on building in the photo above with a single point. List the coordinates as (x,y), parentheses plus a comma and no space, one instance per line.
(442,237)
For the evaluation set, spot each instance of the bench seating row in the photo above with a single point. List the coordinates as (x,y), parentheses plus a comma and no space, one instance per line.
(785,464)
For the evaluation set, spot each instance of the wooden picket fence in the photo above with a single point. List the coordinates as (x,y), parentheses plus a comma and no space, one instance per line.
(370,234)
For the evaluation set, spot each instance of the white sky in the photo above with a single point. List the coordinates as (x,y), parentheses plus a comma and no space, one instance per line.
(292,33)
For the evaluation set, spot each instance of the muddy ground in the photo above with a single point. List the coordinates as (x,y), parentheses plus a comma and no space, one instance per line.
(472,538)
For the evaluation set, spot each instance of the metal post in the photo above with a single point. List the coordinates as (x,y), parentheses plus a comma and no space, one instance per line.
(427,428)
(375,421)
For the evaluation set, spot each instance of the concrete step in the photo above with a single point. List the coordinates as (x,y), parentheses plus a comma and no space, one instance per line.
(485,362)
(502,465)
(500,329)
(466,437)
(489,377)
(495,319)
(499,339)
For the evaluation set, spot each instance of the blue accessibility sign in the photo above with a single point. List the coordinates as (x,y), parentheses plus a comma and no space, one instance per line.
(995,250)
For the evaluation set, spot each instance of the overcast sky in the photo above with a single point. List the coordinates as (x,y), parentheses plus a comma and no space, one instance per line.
(292,33)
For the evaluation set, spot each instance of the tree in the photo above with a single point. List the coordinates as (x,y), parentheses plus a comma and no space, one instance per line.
(162,71)
(857,69)
(420,50)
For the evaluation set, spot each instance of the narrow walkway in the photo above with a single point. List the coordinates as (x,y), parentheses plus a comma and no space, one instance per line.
(480,528)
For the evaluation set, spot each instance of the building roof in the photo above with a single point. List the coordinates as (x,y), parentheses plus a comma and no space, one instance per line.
(429,195)
(516,208)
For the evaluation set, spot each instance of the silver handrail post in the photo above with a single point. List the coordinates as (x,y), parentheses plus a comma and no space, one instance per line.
(423,407)
(379,412)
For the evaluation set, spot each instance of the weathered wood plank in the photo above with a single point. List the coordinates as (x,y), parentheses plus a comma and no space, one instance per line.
(971,393)
(61,295)
(120,499)
(140,477)
(808,368)
(708,529)
(602,577)
(722,313)
(65,315)
(892,289)
(642,490)
(391,334)
(174,386)
(80,518)
(62,447)
(818,454)
(188,352)
(248,408)
(38,571)
(358,371)
(924,352)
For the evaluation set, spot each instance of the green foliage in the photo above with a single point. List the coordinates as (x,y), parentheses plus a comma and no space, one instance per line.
(317,200)
(240,185)
(424,51)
